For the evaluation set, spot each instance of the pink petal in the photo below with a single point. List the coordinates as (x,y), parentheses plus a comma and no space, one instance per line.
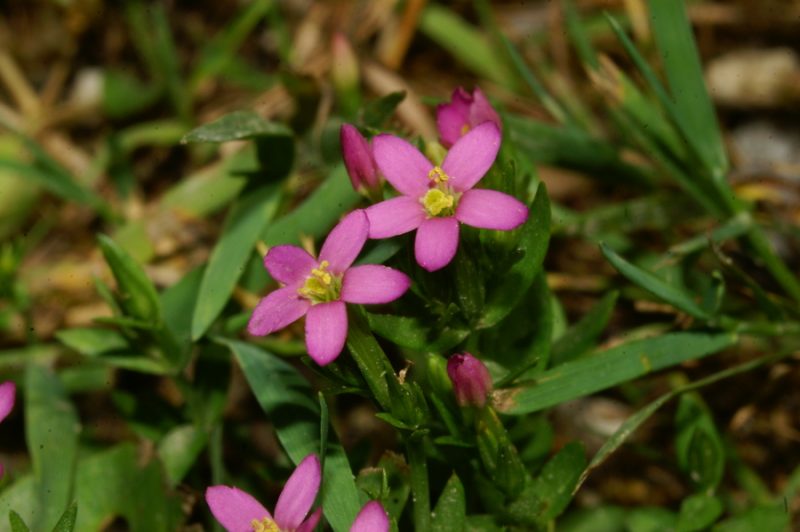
(311,523)
(373,284)
(402,164)
(299,492)
(326,331)
(280,308)
(357,156)
(288,264)
(490,209)
(450,121)
(8,391)
(471,157)
(394,217)
(482,111)
(234,508)
(371,518)
(345,241)
(436,243)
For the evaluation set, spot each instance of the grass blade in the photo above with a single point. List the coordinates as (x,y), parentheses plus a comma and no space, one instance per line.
(608,368)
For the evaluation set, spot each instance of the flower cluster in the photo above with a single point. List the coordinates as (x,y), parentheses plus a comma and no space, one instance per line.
(238,511)
(433,199)
(8,392)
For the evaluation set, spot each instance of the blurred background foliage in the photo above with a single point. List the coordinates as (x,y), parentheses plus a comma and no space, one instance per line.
(674,222)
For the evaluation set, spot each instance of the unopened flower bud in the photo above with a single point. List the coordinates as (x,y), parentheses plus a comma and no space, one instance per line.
(344,65)
(357,154)
(464,112)
(471,380)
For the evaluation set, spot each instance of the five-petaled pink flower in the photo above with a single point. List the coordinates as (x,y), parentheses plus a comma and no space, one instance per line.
(464,112)
(319,288)
(371,518)
(8,392)
(436,198)
(238,511)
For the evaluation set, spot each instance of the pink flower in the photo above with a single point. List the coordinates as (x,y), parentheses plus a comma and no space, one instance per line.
(434,199)
(8,392)
(464,112)
(371,518)
(238,511)
(471,380)
(358,160)
(319,288)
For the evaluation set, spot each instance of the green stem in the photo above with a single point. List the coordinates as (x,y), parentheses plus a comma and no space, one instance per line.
(415,447)
(774,264)
(371,359)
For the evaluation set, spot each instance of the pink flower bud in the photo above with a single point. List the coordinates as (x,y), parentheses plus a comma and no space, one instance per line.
(471,380)
(464,112)
(358,160)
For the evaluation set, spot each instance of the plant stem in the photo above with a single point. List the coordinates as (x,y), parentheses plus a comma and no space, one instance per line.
(370,358)
(415,447)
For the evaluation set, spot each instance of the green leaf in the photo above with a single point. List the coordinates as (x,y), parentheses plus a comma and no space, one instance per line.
(287,399)
(370,358)
(17,524)
(68,518)
(379,111)
(581,336)
(238,125)
(52,428)
(124,94)
(573,148)
(179,450)
(758,518)
(550,492)
(317,214)
(137,295)
(693,108)
(244,224)
(698,443)
(114,483)
(92,342)
(673,295)
(221,49)
(412,333)
(608,368)
(450,512)
(532,246)
(698,512)
(464,42)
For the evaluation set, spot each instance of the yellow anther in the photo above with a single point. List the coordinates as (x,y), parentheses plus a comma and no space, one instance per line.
(320,285)
(264,525)
(437,175)
(438,202)
(465,129)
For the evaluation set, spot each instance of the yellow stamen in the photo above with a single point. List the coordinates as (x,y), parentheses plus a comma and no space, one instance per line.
(320,285)
(437,175)
(465,129)
(264,525)
(438,202)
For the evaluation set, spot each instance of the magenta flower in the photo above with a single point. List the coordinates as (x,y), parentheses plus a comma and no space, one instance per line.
(238,511)
(471,380)
(357,154)
(371,518)
(319,288)
(436,198)
(464,112)
(8,392)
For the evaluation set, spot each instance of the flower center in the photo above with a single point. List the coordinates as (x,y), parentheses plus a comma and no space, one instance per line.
(321,286)
(264,525)
(465,129)
(437,202)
